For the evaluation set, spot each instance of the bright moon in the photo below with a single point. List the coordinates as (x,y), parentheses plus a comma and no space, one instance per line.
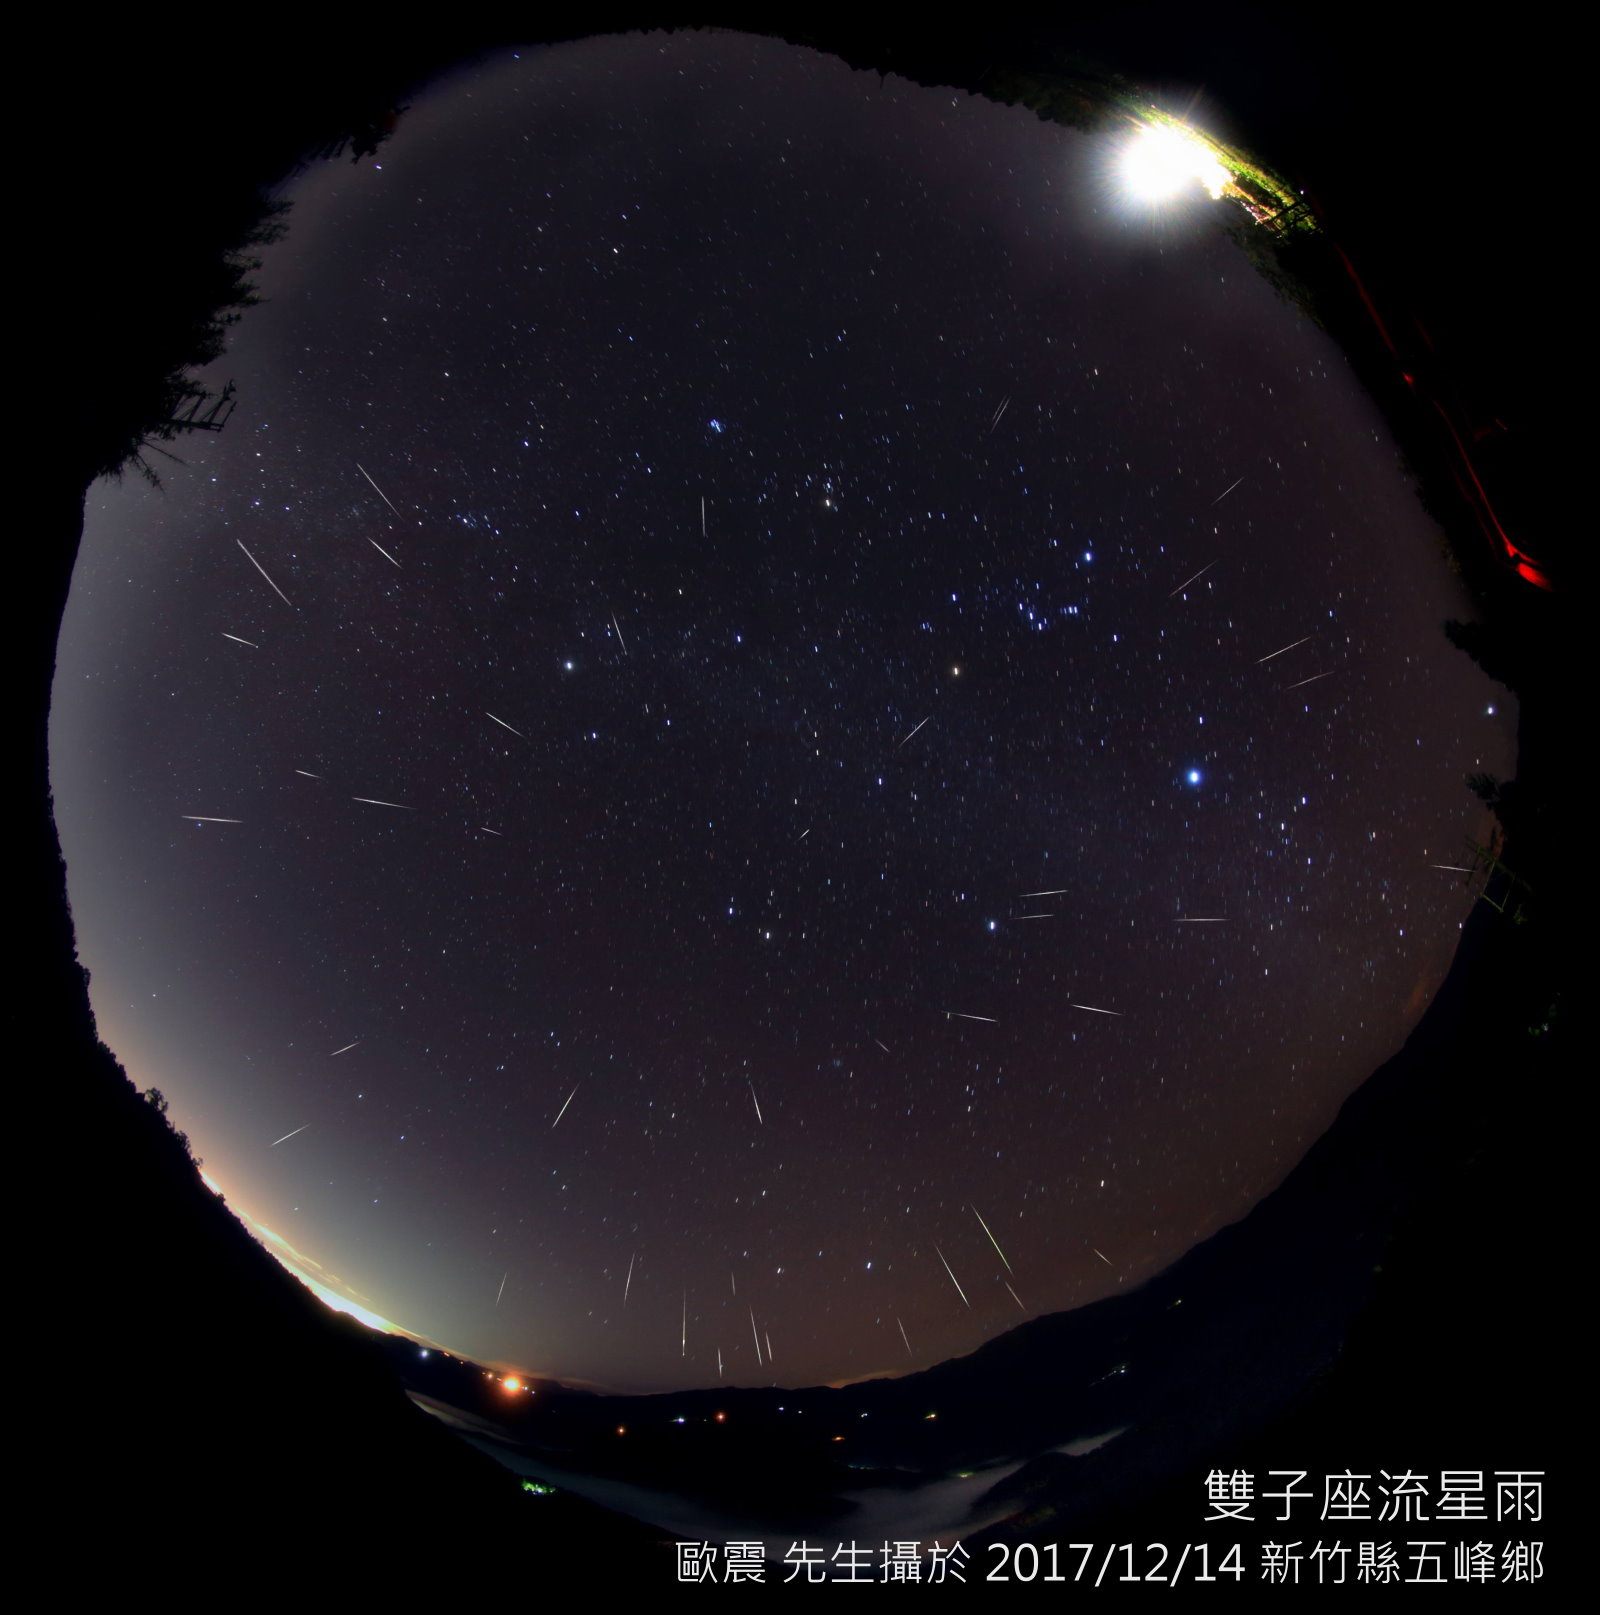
(1160,161)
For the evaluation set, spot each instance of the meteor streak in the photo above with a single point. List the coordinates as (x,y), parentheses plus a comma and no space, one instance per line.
(1226,491)
(754,1336)
(372,801)
(928,719)
(308,774)
(263,571)
(502,1290)
(1093,1011)
(757,1103)
(1102,1255)
(959,1291)
(200,818)
(1058,891)
(1015,1297)
(903,1336)
(347,1048)
(237,641)
(1280,652)
(959,1016)
(385,554)
(504,725)
(629,1284)
(287,1136)
(1220,919)
(620,640)
(562,1112)
(1187,581)
(992,1240)
(376,489)
(1313,679)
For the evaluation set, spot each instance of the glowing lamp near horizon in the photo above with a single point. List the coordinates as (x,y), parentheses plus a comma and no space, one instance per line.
(512,1383)
(1161,161)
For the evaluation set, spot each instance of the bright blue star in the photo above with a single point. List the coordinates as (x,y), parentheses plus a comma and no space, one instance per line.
(1193,776)
(716,426)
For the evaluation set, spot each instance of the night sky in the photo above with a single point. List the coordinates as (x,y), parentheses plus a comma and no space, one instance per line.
(805,474)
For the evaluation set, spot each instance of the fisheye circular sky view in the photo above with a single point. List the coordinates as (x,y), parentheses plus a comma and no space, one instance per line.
(784,730)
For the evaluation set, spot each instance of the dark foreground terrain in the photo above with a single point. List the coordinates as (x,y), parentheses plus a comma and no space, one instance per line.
(1236,1357)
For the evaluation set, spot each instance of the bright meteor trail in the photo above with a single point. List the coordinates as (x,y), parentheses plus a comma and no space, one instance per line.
(1268,657)
(953,1279)
(263,571)
(992,1240)
(1195,579)
(377,490)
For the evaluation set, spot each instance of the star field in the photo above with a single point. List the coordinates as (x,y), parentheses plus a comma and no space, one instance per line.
(849,750)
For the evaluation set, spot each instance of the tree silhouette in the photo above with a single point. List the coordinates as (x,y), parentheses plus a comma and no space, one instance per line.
(1487,647)
(196,326)
(158,1102)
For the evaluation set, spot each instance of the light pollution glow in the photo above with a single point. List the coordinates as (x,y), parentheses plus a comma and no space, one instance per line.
(291,1260)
